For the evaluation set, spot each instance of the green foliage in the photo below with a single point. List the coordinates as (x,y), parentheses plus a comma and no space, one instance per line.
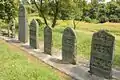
(103,19)
(3,25)
(87,19)
(114,18)
(80,9)
(8,9)
(94,21)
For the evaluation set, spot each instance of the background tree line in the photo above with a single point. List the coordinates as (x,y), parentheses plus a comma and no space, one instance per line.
(94,11)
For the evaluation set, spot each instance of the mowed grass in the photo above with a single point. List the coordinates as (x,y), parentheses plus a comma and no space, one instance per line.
(84,32)
(18,65)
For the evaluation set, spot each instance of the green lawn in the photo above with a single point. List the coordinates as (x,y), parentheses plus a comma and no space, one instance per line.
(18,65)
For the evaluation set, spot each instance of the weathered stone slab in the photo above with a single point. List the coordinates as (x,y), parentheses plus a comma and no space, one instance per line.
(47,40)
(102,54)
(23,27)
(69,46)
(34,37)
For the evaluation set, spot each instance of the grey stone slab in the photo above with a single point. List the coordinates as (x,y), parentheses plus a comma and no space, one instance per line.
(102,54)
(34,37)
(23,27)
(47,40)
(69,46)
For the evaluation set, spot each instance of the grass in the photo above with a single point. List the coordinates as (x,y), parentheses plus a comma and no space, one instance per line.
(18,65)
(84,32)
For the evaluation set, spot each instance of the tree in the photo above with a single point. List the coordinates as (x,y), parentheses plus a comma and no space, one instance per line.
(8,11)
(76,10)
(102,10)
(113,8)
(47,6)
(64,9)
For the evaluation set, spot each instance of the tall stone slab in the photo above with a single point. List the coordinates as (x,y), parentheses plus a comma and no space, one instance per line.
(47,40)
(102,48)
(69,46)
(23,27)
(34,37)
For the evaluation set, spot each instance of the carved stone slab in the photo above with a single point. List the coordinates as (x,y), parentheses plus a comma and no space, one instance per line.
(23,27)
(69,46)
(102,54)
(34,37)
(47,40)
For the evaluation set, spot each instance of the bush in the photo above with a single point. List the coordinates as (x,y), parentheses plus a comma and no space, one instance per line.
(113,18)
(87,19)
(78,18)
(103,19)
(95,21)
(3,25)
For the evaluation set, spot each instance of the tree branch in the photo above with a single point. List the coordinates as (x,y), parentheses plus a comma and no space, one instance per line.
(40,11)
(75,24)
(55,14)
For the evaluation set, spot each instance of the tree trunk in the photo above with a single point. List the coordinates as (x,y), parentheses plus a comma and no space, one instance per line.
(8,31)
(74,24)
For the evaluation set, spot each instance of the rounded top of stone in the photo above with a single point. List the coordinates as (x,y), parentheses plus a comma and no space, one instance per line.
(47,27)
(69,30)
(34,22)
(102,33)
(21,5)
(21,10)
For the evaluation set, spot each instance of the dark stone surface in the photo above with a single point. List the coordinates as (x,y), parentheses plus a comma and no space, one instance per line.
(23,27)
(47,40)
(69,46)
(102,54)
(34,37)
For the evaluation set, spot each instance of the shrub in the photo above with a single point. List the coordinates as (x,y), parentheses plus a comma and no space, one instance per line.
(78,18)
(103,19)
(113,18)
(3,25)
(95,21)
(87,19)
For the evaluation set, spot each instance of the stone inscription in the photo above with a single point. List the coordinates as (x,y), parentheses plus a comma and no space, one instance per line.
(23,27)
(34,42)
(47,40)
(69,46)
(102,54)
